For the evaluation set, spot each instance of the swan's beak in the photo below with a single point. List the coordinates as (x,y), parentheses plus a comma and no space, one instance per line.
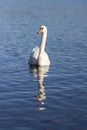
(40,31)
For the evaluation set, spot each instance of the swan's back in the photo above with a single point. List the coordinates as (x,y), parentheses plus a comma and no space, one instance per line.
(34,57)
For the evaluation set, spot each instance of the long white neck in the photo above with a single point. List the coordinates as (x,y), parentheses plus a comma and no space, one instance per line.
(43,43)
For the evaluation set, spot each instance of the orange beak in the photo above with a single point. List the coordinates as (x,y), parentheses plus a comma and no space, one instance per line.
(40,31)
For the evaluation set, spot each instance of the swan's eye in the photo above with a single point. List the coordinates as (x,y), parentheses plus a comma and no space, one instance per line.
(41,28)
(40,31)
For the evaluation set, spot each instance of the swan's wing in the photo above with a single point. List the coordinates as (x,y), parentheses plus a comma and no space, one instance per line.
(34,56)
(46,59)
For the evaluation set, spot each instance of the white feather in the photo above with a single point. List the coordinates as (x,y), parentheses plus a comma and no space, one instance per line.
(38,55)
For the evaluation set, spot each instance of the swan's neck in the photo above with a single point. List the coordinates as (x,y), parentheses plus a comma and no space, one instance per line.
(43,43)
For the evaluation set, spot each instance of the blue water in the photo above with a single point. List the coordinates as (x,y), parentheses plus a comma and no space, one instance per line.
(53,98)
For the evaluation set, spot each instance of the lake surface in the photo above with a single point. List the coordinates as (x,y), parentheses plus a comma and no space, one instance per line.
(44,98)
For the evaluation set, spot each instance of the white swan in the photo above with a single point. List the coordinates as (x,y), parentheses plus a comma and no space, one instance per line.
(39,56)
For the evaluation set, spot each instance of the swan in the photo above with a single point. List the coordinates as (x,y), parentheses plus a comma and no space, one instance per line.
(38,56)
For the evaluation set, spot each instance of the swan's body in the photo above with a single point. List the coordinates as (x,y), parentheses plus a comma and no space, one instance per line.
(39,56)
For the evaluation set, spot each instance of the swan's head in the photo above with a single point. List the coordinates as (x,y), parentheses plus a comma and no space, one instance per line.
(42,29)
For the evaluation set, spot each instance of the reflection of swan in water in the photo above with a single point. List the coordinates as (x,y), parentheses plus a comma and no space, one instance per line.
(40,73)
